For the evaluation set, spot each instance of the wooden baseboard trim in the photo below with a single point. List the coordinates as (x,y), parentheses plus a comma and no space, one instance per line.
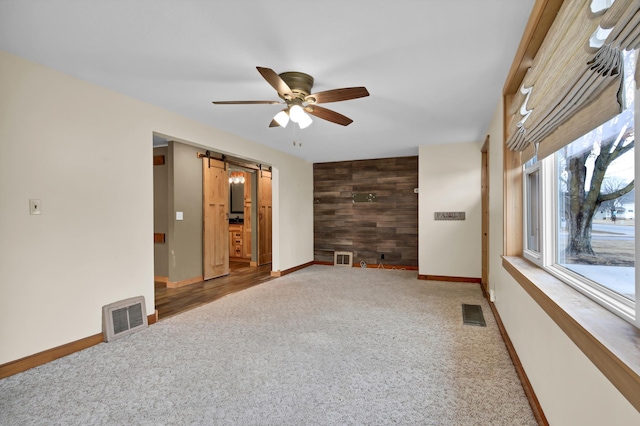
(372,266)
(28,362)
(253,264)
(390,267)
(153,318)
(526,384)
(160,279)
(176,284)
(450,279)
(278,274)
(485,293)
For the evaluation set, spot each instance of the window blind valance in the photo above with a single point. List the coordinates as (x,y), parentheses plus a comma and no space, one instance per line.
(579,64)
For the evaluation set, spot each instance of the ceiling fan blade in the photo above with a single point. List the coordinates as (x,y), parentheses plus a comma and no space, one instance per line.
(337,95)
(276,82)
(327,114)
(246,102)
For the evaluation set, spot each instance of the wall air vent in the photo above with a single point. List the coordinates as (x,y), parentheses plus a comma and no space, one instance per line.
(343,258)
(367,197)
(122,318)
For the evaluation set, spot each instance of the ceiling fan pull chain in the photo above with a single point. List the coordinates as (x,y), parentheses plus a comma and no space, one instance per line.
(294,134)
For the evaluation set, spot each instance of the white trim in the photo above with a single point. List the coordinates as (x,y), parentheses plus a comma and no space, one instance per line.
(550,227)
(533,255)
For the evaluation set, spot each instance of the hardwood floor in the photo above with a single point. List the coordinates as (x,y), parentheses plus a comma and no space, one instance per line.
(172,301)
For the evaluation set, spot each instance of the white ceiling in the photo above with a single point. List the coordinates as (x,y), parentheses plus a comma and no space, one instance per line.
(435,69)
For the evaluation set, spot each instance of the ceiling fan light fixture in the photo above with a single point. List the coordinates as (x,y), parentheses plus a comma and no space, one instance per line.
(304,121)
(282,118)
(296,113)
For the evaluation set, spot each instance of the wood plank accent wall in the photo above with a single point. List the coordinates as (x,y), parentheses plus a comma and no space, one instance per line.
(369,229)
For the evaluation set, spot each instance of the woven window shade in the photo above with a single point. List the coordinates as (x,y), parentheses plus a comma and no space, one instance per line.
(581,123)
(572,87)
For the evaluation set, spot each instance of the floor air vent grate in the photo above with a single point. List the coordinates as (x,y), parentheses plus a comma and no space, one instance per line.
(472,315)
(123,318)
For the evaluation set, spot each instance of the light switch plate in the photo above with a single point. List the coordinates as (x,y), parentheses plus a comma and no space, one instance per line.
(179,215)
(35,207)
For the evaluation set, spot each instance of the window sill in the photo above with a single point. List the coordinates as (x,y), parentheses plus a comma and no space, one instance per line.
(610,342)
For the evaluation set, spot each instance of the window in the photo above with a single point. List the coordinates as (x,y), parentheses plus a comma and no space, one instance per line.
(532,240)
(579,221)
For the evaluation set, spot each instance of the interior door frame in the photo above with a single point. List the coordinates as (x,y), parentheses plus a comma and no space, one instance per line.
(485,217)
(255,225)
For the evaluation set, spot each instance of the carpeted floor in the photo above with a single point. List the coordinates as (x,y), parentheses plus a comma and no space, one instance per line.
(322,346)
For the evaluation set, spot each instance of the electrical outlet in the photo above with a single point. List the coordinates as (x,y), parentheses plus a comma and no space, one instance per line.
(34,207)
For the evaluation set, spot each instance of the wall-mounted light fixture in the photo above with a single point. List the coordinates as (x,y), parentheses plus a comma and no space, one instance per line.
(236,177)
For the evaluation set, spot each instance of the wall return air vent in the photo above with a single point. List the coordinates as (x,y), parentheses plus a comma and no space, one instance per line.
(122,318)
(343,258)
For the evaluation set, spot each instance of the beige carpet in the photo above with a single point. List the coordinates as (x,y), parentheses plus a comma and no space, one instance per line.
(322,346)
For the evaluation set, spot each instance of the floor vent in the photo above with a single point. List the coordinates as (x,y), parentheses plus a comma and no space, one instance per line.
(343,258)
(472,315)
(122,318)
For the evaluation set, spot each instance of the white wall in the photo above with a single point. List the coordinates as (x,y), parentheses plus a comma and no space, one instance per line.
(449,179)
(86,153)
(571,390)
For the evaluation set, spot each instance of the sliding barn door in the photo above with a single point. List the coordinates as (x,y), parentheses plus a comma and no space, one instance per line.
(215,204)
(246,239)
(264,217)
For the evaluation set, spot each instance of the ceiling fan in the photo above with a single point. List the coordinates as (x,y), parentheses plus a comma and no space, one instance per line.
(294,88)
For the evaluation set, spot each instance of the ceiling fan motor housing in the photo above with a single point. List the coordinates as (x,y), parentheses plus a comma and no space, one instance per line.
(299,83)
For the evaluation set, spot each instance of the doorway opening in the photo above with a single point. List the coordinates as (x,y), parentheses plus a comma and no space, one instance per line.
(212,220)
(250,235)
(173,301)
